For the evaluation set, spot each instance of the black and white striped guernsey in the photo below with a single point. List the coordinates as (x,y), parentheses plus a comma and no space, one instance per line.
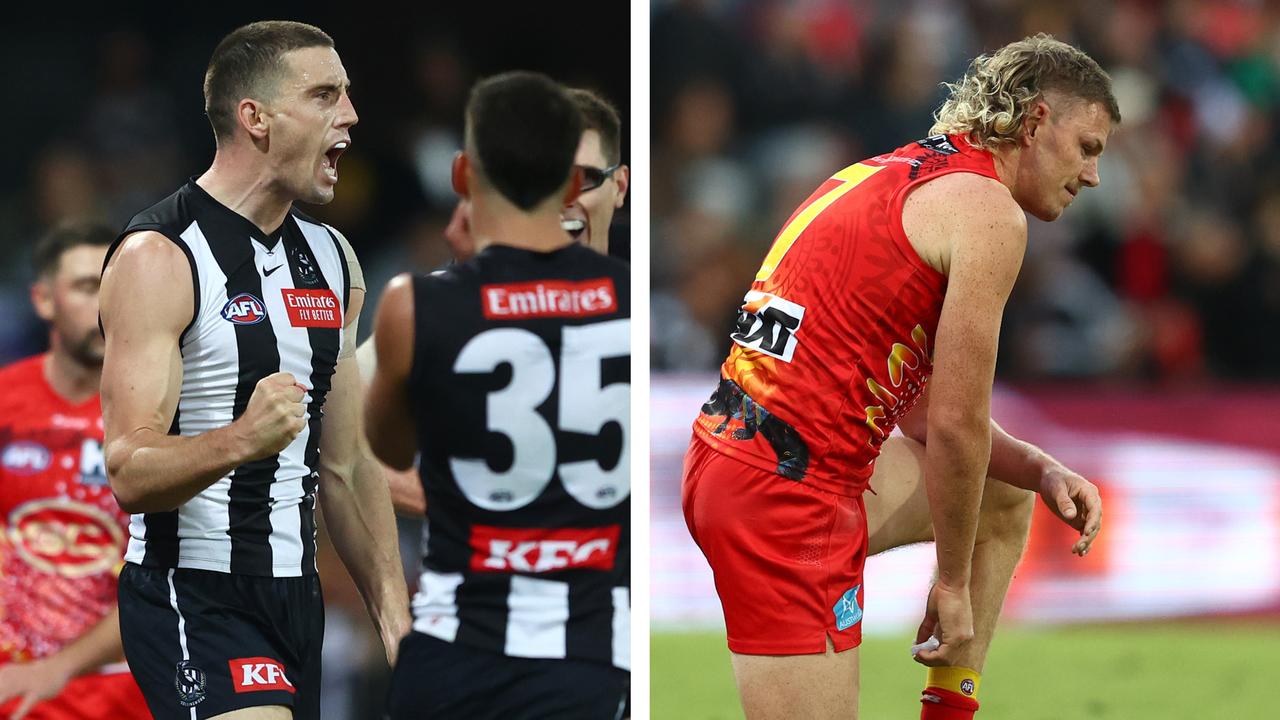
(264,303)
(520,393)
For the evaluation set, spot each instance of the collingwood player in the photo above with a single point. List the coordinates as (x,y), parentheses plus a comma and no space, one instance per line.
(230,320)
(587,219)
(509,373)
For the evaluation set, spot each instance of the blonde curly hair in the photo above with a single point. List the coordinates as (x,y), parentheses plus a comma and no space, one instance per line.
(990,102)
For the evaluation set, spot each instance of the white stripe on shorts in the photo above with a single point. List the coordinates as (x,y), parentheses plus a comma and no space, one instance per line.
(182,626)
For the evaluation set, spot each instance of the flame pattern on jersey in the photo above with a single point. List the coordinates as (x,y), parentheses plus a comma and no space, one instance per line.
(831,347)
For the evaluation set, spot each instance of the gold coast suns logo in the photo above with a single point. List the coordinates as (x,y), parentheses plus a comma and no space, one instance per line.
(64,537)
(908,371)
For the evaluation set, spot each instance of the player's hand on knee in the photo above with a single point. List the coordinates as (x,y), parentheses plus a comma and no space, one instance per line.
(275,414)
(1076,502)
(948,616)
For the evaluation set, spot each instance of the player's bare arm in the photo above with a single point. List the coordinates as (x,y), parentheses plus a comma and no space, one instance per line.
(356,504)
(983,234)
(43,679)
(150,470)
(1021,464)
(407,496)
(389,425)
(1067,494)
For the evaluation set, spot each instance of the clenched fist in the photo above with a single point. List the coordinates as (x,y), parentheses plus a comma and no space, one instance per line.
(274,416)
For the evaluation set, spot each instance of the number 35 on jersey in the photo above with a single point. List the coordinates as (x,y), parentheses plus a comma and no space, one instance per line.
(585,405)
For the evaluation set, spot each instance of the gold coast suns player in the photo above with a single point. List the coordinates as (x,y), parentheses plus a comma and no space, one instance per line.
(878,306)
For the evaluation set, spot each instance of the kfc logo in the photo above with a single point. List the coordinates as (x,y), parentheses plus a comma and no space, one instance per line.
(539,550)
(257,674)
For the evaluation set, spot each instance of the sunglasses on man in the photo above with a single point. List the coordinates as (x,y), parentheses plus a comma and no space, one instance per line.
(593,178)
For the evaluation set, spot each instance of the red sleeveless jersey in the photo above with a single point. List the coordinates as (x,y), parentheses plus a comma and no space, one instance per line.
(832,345)
(62,534)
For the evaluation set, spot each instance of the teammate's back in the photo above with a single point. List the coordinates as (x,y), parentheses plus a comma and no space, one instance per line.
(509,375)
(511,392)
(531,311)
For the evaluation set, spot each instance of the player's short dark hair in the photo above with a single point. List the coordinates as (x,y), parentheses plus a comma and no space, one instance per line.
(600,115)
(523,129)
(247,62)
(50,248)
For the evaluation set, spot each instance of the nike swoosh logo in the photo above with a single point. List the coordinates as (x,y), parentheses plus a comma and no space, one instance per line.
(266,272)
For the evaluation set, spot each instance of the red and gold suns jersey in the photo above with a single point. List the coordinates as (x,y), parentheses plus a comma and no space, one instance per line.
(832,345)
(62,535)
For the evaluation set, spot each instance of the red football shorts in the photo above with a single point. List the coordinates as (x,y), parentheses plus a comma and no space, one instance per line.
(89,697)
(787,558)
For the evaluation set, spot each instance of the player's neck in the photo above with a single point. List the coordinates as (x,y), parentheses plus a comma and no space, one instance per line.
(70,379)
(1006,162)
(247,191)
(493,224)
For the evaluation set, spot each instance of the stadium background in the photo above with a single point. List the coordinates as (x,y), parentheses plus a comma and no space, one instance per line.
(106,118)
(1140,345)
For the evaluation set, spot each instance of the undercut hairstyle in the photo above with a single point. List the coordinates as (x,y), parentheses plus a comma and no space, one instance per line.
(248,63)
(600,115)
(990,102)
(522,133)
(67,236)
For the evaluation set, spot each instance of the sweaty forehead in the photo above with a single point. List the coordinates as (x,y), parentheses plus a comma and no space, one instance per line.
(313,66)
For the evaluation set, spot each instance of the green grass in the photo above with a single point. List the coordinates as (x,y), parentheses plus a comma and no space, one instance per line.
(1197,671)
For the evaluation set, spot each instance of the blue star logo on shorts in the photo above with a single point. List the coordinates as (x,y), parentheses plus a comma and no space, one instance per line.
(847,611)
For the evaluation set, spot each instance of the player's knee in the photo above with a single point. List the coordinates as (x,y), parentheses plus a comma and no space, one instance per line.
(1007,510)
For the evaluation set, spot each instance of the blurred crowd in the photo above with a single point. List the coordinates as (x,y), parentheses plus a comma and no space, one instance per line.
(109,119)
(1168,273)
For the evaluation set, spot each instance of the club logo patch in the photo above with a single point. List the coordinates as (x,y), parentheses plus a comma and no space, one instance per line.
(65,537)
(307,274)
(190,683)
(244,309)
(847,611)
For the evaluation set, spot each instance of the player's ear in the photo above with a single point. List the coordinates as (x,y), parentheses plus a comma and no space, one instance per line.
(574,189)
(252,116)
(1036,117)
(459,176)
(622,177)
(42,298)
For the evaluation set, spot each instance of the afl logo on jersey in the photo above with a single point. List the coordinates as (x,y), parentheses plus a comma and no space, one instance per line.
(244,309)
(25,458)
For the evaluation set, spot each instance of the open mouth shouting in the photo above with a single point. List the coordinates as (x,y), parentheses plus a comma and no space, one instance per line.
(574,221)
(329,161)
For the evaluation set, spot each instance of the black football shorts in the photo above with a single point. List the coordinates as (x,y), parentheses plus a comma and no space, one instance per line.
(202,643)
(438,679)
